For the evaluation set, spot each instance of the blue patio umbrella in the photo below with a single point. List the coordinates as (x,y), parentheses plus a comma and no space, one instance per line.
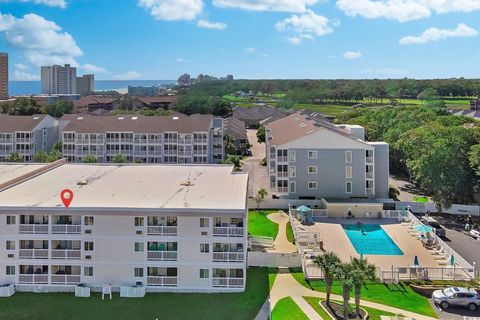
(423,228)
(452,261)
(416,263)
(303,209)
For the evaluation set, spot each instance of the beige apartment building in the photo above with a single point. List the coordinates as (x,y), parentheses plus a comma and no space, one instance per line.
(195,139)
(3,76)
(162,227)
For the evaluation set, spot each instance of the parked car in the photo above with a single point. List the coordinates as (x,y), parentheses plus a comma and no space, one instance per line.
(456,296)
(437,228)
(475,233)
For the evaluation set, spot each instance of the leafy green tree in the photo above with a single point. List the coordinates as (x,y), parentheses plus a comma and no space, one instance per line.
(40,156)
(328,263)
(260,197)
(393,193)
(89,158)
(14,157)
(119,158)
(261,134)
(59,108)
(58,147)
(233,159)
(362,272)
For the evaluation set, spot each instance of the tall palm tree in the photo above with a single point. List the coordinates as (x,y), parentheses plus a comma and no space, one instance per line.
(329,263)
(362,271)
(345,274)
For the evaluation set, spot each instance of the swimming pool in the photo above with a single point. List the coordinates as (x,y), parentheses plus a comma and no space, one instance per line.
(374,240)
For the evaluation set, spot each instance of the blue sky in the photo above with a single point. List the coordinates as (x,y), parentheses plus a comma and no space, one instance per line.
(160,39)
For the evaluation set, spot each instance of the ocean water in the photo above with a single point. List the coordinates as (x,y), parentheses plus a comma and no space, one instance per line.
(17,88)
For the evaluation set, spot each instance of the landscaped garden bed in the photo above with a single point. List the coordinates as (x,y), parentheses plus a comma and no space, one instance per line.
(336,310)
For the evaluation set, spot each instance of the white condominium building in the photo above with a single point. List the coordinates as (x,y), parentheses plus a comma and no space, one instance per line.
(27,135)
(163,227)
(59,80)
(196,139)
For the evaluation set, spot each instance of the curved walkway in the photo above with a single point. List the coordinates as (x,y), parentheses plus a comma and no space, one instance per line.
(286,286)
(281,243)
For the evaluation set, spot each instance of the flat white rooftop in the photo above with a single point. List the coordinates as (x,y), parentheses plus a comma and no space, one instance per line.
(10,172)
(160,187)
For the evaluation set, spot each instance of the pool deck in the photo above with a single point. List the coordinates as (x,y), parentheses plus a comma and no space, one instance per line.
(335,239)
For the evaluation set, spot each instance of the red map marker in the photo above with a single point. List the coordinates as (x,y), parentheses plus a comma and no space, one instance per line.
(67,197)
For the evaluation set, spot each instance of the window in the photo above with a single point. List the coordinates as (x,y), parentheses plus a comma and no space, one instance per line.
(348,156)
(348,172)
(204,248)
(11,219)
(10,271)
(138,246)
(204,222)
(10,245)
(292,187)
(348,187)
(88,271)
(138,272)
(204,273)
(88,221)
(293,172)
(139,221)
(312,184)
(292,155)
(312,154)
(312,169)
(88,246)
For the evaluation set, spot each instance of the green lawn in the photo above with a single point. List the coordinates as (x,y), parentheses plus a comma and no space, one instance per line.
(161,306)
(399,296)
(260,225)
(287,309)
(290,236)
(272,275)
(326,109)
(315,304)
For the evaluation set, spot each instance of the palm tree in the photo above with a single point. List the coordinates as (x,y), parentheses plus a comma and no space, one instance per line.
(362,271)
(329,263)
(345,274)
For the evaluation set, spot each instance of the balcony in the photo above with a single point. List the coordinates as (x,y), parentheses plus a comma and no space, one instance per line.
(68,140)
(369,175)
(199,152)
(228,282)
(65,279)
(33,278)
(162,230)
(200,141)
(282,174)
(228,257)
(67,254)
(141,141)
(282,189)
(33,229)
(228,231)
(282,159)
(369,159)
(369,191)
(170,152)
(162,255)
(33,253)
(124,152)
(185,141)
(170,141)
(114,140)
(6,140)
(25,140)
(162,281)
(185,153)
(66,229)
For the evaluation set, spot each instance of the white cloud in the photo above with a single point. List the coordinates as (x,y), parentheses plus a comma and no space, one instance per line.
(182,60)
(250,50)
(19,75)
(211,25)
(435,34)
(42,42)
(404,10)
(171,10)
(352,55)
(298,6)
(90,68)
(306,26)
(130,75)
(21,66)
(51,3)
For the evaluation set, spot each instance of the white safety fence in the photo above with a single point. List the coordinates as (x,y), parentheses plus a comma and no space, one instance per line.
(273,259)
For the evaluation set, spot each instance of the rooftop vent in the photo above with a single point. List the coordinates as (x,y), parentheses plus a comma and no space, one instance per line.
(134,118)
(175,118)
(79,118)
(121,118)
(82,182)
(36,118)
(186,183)
(311,131)
(303,125)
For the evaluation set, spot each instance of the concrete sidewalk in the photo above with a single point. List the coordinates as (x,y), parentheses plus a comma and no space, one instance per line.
(281,243)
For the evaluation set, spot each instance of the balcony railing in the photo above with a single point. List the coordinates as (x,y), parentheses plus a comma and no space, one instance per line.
(369,159)
(68,140)
(370,191)
(33,253)
(228,231)
(66,254)
(170,152)
(162,281)
(185,141)
(6,140)
(33,229)
(162,230)
(282,174)
(228,282)
(228,256)
(162,255)
(185,153)
(65,279)
(24,140)
(282,189)
(282,159)
(33,279)
(171,141)
(124,152)
(369,175)
(124,140)
(66,229)
(199,152)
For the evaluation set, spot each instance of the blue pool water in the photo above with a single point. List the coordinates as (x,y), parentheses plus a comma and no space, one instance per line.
(374,240)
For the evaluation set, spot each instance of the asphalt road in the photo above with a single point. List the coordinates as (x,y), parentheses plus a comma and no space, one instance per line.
(455,313)
(258,175)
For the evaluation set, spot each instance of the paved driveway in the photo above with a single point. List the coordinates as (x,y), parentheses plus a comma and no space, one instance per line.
(455,313)
(258,175)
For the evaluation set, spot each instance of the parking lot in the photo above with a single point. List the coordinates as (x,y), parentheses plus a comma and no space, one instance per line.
(455,313)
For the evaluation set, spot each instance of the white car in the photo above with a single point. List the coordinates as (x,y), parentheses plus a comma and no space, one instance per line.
(458,297)
(475,233)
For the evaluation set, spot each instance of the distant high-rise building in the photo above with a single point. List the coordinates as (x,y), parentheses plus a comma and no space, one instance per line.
(85,84)
(229,77)
(3,76)
(184,79)
(59,80)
